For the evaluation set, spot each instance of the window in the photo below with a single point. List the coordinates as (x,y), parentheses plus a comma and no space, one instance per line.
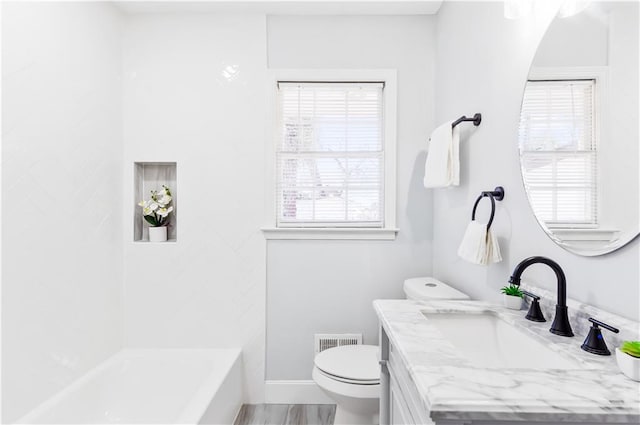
(559,152)
(334,157)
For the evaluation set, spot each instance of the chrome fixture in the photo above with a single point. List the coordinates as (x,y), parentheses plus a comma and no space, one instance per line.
(594,342)
(560,325)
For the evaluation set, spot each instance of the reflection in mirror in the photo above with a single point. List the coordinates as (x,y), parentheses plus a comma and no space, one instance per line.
(579,122)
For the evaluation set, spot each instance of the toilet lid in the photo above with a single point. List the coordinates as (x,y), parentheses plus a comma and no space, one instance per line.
(351,362)
(429,288)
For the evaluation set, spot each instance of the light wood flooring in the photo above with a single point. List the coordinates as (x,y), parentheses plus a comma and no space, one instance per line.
(286,414)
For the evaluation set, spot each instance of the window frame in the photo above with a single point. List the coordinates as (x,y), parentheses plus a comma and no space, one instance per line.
(388,231)
(600,76)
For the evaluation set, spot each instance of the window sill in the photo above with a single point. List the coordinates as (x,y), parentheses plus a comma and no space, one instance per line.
(573,234)
(279,233)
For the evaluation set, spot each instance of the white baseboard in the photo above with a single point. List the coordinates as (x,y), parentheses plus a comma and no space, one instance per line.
(295,392)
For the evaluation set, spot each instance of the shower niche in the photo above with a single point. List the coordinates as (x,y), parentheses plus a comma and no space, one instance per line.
(150,176)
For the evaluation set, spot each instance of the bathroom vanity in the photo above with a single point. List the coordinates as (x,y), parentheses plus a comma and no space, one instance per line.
(473,363)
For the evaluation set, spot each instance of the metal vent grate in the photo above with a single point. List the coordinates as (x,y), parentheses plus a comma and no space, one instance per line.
(326,341)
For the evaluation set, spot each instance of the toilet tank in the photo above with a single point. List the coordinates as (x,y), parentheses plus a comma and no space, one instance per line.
(429,288)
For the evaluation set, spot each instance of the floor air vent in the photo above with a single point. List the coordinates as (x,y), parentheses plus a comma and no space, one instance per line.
(325,341)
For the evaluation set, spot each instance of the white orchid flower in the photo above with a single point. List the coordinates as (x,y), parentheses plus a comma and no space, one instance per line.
(164,201)
(163,212)
(158,204)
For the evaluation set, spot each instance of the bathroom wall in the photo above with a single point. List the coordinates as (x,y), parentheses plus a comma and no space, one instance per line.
(194,93)
(61,206)
(558,45)
(328,286)
(624,95)
(482,64)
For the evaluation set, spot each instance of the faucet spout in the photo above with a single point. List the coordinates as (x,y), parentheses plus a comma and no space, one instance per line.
(560,325)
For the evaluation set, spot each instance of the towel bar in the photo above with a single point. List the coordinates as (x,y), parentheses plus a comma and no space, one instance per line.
(494,195)
(477,119)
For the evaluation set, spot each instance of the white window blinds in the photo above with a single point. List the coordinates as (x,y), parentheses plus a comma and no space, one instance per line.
(330,155)
(558,151)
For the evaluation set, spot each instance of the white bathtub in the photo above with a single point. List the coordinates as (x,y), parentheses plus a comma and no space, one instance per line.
(151,387)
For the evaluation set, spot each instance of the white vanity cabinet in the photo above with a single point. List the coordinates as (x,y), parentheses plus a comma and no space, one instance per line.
(398,410)
(399,399)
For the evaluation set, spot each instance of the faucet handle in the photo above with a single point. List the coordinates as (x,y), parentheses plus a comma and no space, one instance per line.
(597,323)
(594,342)
(535,313)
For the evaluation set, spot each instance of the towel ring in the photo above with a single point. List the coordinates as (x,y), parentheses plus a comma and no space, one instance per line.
(496,194)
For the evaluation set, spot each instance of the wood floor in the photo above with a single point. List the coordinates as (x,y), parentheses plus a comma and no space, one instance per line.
(286,414)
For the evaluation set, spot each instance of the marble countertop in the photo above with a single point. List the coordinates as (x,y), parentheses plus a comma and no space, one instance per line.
(452,388)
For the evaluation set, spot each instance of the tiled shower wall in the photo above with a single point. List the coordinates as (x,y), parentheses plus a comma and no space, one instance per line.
(194,94)
(62,197)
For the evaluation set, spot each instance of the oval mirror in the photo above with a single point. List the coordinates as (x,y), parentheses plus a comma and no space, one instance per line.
(578,135)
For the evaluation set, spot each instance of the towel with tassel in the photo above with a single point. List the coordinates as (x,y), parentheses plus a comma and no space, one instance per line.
(442,167)
(479,245)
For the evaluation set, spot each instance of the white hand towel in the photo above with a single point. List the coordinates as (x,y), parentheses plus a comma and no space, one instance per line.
(473,247)
(479,245)
(442,167)
(493,248)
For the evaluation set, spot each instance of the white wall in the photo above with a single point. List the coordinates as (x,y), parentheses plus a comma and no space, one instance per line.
(559,45)
(328,286)
(194,93)
(482,64)
(624,129)
(61,179)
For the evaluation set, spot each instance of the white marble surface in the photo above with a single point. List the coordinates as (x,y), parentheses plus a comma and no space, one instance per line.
(452,388)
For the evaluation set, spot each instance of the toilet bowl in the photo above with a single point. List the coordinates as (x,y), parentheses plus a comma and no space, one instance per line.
(350,374)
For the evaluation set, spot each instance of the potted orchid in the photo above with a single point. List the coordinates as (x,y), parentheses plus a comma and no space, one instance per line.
(156,212)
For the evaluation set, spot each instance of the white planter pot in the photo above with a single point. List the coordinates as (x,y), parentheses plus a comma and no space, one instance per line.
(512,302)
(629,365)
(158,234)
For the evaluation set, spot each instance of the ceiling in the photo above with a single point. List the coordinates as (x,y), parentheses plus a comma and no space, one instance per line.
(284,7)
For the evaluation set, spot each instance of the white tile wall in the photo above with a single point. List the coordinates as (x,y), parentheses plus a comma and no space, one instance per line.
(61,180)
(194,93)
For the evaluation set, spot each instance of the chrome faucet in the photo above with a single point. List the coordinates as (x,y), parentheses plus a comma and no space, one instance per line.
(560,324)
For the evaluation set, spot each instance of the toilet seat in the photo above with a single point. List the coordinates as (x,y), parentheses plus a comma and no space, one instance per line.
(353,364)
(334,386)
(349,381)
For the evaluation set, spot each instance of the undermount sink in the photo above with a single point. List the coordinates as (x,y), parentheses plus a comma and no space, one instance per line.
(487,341)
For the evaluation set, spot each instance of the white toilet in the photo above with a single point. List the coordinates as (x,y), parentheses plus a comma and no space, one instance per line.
(350,374)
